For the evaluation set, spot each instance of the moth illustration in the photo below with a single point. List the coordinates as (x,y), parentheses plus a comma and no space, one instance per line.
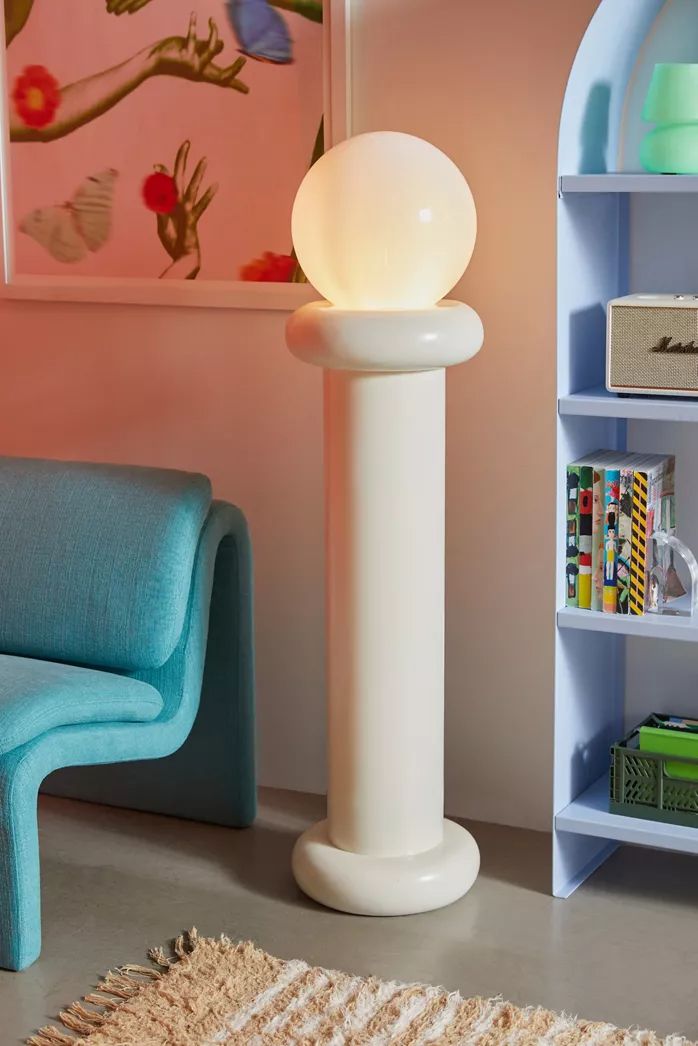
(260,30)
(69,230)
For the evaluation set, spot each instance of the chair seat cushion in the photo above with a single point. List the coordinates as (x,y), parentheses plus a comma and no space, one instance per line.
(36,696)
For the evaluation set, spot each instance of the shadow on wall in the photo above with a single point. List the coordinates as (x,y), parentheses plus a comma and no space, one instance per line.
(594,135)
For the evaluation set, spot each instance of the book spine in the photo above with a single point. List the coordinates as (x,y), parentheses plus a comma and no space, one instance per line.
(572,537)
(584,544)
(638,561)
(597,541)
(610,538)
(625,539)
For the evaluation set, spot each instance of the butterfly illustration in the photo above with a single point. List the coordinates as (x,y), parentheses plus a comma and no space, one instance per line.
(261,31)
(69,230)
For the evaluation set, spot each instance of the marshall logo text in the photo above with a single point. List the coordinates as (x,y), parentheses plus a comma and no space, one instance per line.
(677,348)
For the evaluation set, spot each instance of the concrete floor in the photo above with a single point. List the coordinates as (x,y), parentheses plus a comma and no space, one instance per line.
(114,882)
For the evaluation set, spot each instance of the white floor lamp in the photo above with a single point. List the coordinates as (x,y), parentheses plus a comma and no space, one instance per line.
(384,225)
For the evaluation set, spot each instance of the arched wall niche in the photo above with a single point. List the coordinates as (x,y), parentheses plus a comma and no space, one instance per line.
(672,37)
(593,109)
(602,126)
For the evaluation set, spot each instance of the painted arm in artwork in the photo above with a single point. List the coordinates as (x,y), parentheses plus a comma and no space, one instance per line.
(16,14)
(125,7)
(17,11)
(43,111)
(178,207)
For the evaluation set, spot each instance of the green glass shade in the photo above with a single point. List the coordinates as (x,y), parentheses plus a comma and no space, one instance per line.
(671,149)
(673,93)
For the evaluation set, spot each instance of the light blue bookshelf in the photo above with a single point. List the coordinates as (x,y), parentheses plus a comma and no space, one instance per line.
(618,233)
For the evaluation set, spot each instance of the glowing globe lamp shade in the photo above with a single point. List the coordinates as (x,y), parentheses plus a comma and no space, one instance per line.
(384,221)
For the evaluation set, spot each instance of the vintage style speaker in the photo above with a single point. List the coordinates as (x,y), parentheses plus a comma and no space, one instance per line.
(652,344)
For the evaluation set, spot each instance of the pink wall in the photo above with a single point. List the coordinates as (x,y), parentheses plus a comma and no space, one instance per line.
(485,82)
(216,391)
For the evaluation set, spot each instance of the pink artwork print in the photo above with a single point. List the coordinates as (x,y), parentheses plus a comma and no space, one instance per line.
(160,138)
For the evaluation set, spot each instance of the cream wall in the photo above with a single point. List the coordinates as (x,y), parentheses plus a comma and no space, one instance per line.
(216,391)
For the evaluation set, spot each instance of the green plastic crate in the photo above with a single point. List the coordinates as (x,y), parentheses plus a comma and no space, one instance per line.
(642,784)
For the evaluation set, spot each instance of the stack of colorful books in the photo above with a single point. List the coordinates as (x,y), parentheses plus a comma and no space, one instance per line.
(615,502)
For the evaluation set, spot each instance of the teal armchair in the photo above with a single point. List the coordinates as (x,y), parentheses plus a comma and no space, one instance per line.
(126,637)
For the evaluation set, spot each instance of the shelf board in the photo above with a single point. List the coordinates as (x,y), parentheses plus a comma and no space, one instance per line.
(598,402)
(637,183)
(589,815)
(651,626)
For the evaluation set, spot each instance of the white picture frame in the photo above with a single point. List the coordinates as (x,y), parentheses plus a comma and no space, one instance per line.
(217,294)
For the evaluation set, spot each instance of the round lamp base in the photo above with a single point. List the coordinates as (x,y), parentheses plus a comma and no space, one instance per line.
(366,885)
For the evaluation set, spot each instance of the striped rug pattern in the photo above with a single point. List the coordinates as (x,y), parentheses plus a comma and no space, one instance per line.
(216,991)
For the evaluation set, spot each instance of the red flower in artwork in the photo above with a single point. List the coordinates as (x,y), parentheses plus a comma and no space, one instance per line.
(270,268)
(160,193)
(36,96)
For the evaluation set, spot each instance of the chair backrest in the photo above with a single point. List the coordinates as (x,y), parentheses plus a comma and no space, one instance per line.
(96,560)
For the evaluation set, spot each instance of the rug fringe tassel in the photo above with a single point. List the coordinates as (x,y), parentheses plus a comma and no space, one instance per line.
(112,991)
(51,1037)
(157,955)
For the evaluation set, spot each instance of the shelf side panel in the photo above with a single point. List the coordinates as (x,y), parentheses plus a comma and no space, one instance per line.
(575,858)
(592,251)
(588,718)
(592,269)
(589,709)
(589,667)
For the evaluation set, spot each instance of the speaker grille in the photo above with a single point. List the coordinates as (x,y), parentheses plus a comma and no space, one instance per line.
(635,331)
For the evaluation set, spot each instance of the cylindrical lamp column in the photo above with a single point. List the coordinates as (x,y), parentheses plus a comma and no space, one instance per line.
(385,848)
(385,554)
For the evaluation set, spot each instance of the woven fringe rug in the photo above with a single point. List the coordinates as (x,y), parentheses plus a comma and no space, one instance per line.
(218,991)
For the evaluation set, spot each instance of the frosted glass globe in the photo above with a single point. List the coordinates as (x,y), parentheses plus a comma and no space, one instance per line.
(384,221)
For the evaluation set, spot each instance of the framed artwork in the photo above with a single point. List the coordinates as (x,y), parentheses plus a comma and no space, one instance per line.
(151,149)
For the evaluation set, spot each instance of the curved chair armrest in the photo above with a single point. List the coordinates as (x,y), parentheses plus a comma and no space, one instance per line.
(221,756)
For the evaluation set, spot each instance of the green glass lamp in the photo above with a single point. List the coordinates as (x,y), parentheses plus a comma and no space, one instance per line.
(672,104)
